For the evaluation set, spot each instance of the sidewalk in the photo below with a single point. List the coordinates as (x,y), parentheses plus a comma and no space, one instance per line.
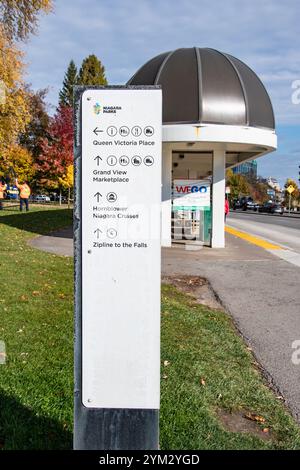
(259,290)
(59,243)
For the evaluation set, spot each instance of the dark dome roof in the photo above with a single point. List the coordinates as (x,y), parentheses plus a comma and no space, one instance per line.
(202,85)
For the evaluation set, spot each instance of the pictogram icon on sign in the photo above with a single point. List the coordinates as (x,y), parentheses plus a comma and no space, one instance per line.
(124,131)
(111,197)
(136,160)
(148,160)
(148,131)
(112,233)
(136,131)
(112,131)
(124,160)
(111,160)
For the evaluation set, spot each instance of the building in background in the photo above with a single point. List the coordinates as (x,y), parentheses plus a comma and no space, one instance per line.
(247,169)
(273,183)
(216,114)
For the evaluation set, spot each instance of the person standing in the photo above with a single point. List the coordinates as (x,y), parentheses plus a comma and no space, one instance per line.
(24,194)
(2,189)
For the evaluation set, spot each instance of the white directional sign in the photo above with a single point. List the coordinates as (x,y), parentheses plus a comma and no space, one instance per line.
(120,202)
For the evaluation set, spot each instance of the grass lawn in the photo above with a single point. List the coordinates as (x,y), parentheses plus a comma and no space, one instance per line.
(207,371)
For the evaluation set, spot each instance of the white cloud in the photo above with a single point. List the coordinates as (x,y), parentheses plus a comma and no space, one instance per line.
(124,34)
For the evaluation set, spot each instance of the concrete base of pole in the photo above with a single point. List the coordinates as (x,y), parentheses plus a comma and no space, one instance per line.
(115,429)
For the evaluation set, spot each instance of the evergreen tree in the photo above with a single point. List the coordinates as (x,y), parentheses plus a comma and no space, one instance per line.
(66,94)
(92,72)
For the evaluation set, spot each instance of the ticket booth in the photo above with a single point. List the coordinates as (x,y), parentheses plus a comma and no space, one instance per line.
(215,110)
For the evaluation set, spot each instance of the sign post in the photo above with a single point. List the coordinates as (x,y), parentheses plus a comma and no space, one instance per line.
(290,189)
(117,267)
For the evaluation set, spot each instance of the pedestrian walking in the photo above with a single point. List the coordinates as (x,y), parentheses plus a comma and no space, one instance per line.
(24,194)
(226,207)
(2,189)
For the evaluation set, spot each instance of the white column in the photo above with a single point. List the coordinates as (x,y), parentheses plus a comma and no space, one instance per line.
(166,195)
(218,199)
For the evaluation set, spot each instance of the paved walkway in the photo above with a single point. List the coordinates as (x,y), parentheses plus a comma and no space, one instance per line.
(260,291)
(59,243)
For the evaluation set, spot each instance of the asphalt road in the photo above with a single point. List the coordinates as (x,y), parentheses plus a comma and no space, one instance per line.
(282,230)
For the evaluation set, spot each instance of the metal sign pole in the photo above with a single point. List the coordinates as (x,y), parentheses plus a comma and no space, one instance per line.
(117,267)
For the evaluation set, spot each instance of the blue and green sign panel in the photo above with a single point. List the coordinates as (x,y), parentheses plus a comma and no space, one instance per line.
(191,195)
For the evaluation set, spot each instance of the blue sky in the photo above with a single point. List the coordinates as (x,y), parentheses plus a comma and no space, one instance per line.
(126,33)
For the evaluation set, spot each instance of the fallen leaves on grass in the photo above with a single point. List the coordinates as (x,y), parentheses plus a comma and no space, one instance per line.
(166,363)
(255,417)
(202,381)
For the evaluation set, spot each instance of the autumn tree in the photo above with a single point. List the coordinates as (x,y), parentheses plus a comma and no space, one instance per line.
(92,72)
(70,80)
(56,150)
(14,105)
(19,18)
(67,181)
(16,160)
(238,184)
(37,127)
(258,191)
(294,195)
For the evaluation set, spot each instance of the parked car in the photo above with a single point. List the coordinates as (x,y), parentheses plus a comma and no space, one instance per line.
(251,205)
(241,203)
(278,209)
(12,192)
(237,204)
(271,208)
(41,198)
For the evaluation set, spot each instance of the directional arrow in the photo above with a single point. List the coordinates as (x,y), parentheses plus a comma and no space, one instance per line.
(96,130)
(98,231)
(98,195)
(98,159)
